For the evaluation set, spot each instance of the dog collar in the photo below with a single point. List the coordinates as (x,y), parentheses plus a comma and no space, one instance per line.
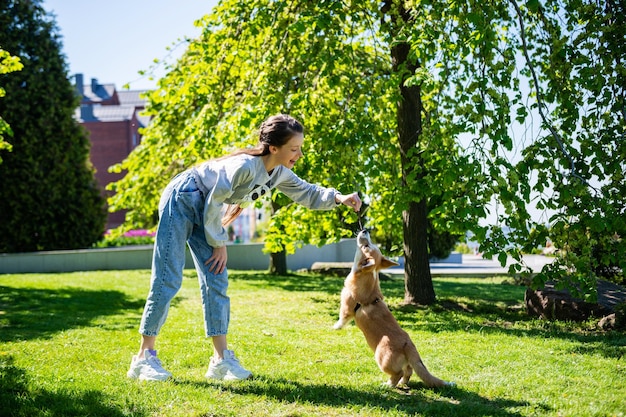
(358,305)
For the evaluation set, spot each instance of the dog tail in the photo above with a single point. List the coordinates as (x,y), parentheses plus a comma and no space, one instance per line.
(420,369)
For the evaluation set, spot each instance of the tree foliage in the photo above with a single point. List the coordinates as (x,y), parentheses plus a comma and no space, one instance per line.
(577,167)
(516,131)
(49,198)
(534,93)
(254,59)
(8,64)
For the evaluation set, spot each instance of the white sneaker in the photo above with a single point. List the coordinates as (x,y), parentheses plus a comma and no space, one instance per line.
(147,367)
(228,368)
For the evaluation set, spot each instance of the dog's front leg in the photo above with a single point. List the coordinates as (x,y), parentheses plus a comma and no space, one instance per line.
(346,309)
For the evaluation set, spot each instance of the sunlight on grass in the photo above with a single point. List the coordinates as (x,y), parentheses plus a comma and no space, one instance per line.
(66,341)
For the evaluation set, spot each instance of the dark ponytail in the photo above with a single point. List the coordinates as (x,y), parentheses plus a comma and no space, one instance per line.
(275,131)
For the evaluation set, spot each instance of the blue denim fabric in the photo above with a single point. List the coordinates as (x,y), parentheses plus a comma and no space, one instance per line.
(180,224)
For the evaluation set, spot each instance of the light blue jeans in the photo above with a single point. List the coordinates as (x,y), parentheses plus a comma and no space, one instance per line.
(180,224)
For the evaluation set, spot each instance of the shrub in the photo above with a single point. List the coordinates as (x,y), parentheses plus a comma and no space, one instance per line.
(130,238)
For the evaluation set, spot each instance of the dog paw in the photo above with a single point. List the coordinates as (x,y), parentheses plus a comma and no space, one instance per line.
(391,385)
(338,326)
(450,384)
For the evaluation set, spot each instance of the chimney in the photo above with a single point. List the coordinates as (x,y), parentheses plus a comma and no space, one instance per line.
(94,85)
(86,113)
(78,78)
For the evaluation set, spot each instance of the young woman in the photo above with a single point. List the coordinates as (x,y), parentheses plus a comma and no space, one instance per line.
(190,213)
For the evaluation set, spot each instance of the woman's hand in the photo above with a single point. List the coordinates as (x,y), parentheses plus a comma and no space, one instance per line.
(351,200)
(218,260)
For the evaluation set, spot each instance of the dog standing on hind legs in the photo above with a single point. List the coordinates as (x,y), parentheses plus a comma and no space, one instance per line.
(361,299)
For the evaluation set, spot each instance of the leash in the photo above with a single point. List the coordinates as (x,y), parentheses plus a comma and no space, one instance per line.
(361,217)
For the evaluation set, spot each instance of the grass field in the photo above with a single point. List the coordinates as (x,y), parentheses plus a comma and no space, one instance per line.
(66,341)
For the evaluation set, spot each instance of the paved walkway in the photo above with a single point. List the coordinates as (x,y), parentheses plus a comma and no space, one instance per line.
(477,265)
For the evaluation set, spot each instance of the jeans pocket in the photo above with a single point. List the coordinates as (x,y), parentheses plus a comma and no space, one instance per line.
(191,200)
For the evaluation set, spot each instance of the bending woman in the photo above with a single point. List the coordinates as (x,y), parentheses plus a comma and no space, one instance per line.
(190,213)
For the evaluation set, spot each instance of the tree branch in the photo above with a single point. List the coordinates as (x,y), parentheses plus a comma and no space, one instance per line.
(540,104)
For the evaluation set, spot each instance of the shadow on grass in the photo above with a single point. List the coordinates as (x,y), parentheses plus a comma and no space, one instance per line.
(29,313)
(292,282)
(487,291)
(416,400)
(17,400)
(471,306)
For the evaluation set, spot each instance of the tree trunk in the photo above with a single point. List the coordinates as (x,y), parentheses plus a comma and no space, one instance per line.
(278,260)
(418,281)
(278,263)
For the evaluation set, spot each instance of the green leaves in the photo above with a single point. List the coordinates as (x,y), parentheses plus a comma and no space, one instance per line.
(8,64)
(482,149)
(533,5)
(244,68)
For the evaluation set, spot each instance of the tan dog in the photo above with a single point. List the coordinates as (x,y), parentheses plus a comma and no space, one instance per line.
(362,300)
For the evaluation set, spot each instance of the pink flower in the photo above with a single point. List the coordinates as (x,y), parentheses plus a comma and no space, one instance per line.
(139,233)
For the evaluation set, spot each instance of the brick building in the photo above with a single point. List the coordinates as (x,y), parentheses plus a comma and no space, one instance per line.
(113,119)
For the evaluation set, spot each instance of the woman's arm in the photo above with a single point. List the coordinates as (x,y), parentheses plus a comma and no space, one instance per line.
(313,196)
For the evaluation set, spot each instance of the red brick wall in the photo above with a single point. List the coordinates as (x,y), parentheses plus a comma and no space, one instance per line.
(111,143)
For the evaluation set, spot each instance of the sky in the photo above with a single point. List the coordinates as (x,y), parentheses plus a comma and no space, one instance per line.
(113,40)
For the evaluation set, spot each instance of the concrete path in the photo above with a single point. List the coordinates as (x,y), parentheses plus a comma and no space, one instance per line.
(477,265)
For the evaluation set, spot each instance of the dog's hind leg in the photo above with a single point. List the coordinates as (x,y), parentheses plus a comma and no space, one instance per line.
(408,371)
(394,379)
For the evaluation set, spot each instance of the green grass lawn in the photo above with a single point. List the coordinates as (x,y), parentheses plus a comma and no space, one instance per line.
(66,341)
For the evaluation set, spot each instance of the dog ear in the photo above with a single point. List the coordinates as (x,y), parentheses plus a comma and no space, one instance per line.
(386,262)
(368,263)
